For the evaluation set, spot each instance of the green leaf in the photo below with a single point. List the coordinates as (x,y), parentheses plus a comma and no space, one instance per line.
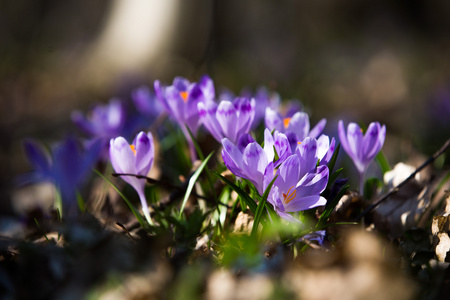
(81,203)
(58,203)
(192,181)
(276,154)
(382,162)
(244,196)
(333,159)
(327,212)
(260,208)
(202,157)
(333,177)
(138,216)
(371,185)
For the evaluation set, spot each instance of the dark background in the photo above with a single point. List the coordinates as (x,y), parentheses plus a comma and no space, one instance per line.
(373,60)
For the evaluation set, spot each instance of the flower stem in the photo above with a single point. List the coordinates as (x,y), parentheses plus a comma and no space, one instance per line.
(145,207)
(361,184)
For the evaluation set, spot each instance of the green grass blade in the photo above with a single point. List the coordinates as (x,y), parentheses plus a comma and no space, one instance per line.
(196,146)
(202,157)
(333,177)
(260,208)
(138,216)
(192,181)
(382,162)
(333,159)
(244,196)
(81,203)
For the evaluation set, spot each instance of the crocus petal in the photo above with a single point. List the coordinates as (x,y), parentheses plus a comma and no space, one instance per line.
(115,113)
(195,96)
(282,146)
(145,101)
(121,155)
(273,120)
(244,140)
(343,137)
(207,86)
(39,158)
(307,153)
(304,203)
(245,109)
(227,118)
(313,183)
(68,157)
(288,217)
(145,153)
(255,163)
(314,133)
(299,124)
(288,174)
(207,114)
(181,83)
(176,104)
(232,158)
(269,143)
(160,95)
(354,138)
(323,144)
(81,122)
(268,175)
(371,142)
(91,155)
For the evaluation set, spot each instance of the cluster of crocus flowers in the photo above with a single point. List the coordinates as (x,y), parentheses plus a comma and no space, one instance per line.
(134,159)
(300,179)
(293,151)
(362,148)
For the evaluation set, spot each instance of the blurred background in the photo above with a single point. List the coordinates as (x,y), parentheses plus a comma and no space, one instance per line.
(363,61)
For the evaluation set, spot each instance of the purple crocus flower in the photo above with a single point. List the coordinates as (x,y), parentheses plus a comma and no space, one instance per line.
(251,163)
(311,150)
(228,119)
(249,160)
(104,121)
(293,191)
(67,167)
(137,159)
(279,143)
(146,103)
(298,124)
(180,100)
(362,148)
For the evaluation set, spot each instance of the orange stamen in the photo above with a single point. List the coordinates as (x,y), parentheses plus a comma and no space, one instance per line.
(133,148)
(184,96)
(289,195)
(286,122)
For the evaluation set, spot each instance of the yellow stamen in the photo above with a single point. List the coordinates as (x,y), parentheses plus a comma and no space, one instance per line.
(133,148)
(289,195)
(299,143)
(286,122)
(184,96)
